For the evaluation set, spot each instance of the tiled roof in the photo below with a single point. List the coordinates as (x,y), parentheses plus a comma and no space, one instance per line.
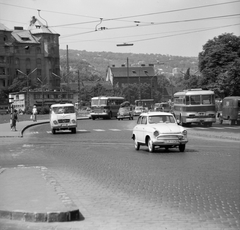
(122,71)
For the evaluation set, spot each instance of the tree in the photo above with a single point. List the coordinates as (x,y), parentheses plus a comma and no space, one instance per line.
(219,65)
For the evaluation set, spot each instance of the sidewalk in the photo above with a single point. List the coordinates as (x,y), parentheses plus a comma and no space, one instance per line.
(32,193)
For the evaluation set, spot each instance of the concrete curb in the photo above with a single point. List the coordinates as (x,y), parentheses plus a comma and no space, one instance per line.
(44,122)
(70,212)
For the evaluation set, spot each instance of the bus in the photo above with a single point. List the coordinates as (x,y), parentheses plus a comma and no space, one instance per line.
(195,106)
(145,103)
(105,106)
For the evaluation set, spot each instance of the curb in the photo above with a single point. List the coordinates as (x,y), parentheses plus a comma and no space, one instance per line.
(72,213)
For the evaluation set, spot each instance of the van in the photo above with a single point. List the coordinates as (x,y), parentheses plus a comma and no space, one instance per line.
(230,110)
(63,117)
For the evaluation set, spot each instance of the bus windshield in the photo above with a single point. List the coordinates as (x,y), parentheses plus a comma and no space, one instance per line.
(99,102)
(199,100)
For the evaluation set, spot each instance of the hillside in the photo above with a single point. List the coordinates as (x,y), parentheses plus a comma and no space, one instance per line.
(93,65)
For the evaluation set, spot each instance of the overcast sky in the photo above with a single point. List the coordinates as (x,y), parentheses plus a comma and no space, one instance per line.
(169,27)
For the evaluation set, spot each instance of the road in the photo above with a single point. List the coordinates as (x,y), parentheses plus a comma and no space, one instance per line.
(117,187)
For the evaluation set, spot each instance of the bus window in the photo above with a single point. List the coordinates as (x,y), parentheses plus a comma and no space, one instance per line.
(206,99)
(238,103)
(187,100)
(195,99)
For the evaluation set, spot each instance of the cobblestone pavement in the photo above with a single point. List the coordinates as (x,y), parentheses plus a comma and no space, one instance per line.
(116,187)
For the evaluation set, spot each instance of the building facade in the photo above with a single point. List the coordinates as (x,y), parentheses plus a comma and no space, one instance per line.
(33,53)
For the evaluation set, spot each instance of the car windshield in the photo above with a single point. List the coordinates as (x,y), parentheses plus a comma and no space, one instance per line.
(63,109)
(161,119)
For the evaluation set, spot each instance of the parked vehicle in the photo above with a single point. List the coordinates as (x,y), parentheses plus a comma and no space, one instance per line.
(229,109)
(63,117)
(125,111)
(159,129)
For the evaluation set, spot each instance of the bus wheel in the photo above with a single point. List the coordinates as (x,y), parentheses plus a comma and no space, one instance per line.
(232,122)
(93,117)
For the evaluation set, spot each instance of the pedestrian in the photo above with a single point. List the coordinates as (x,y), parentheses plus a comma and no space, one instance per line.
(14,118)
(34,113)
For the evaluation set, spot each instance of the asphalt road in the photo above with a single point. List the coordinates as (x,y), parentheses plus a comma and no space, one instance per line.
(117,187)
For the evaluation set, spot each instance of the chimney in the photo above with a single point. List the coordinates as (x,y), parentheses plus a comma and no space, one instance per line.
(18,28)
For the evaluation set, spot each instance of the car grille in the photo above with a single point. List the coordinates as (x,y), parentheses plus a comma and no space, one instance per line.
(63,120)
(169,137)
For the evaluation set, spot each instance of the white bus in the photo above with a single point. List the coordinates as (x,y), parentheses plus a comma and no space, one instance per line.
(105,106)
(195,106)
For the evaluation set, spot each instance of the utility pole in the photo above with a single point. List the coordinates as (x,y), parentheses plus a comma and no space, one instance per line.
(79,92)
(67,74)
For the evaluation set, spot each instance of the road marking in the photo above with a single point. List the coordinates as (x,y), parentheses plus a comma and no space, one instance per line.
(232,127)
(217,127)
(82,130)
(115,130)
(99,130)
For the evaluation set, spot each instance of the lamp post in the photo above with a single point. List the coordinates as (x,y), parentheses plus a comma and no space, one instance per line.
(127,44)
(146,72)
(139,84)
(61,79)
(42,89)
(27,76)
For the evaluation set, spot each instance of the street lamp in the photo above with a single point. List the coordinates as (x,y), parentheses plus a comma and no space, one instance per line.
(27,75)
(61,79)
(146,72)
(127,44)
(42,89)
(139,84)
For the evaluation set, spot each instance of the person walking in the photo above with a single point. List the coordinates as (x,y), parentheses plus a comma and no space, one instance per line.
(14,120)
(34,113)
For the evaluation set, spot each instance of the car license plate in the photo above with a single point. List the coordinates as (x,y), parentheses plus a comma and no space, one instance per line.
(64,124)
(171,141)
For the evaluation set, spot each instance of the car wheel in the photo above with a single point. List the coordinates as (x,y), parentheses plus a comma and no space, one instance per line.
(74,130)
(136,144)
(53,131)
(182,148)
(150,146)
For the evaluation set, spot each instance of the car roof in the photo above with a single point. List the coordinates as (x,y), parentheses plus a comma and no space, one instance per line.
(60,105)
(155,113)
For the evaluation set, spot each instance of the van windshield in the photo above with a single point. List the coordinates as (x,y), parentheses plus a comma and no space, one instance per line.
(63,109)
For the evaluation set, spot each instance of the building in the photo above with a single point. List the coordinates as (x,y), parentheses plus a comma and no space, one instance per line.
(31,53)
(124,75)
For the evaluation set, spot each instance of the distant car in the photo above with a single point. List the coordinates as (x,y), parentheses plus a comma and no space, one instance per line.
(164,107)
(125,111)
(159,129)
(138,110)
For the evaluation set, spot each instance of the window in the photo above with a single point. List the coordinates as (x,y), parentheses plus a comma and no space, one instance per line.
(17,51)
(39,72)
(195,99)
(17,63)
(28,63)
(2,71)
(144,120)
(38,50)
(2,59)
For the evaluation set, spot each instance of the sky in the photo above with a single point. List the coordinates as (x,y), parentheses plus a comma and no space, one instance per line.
(166,27)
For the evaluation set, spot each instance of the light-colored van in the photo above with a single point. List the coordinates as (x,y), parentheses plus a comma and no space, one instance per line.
(63,117)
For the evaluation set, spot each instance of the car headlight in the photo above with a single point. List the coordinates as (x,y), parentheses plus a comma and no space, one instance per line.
(73,121)
(184,132)
(155,133)
(55,122)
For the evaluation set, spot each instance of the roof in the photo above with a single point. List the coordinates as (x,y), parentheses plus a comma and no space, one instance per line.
(194,92)
(3,27)
(24,36)
(63,104)
(139,71)
(155,113)
(106,97)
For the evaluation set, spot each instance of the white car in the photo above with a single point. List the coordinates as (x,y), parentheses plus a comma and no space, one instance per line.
(159,129)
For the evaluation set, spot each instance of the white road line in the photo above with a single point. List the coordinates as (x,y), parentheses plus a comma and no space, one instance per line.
(99,130)
(217,127)
(115,130)
(232,127)
(82,130)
